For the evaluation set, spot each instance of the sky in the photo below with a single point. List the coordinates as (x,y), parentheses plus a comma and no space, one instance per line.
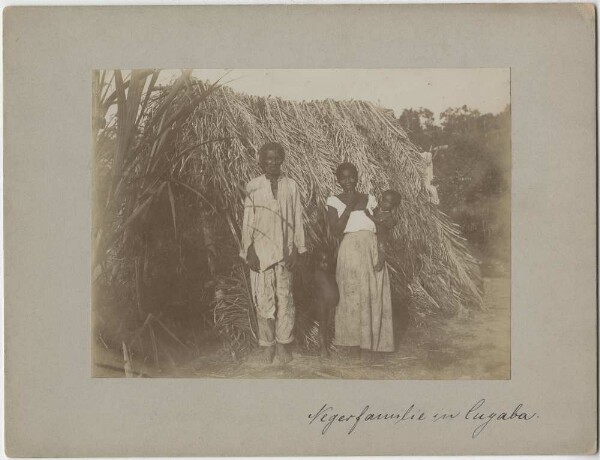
(487,90)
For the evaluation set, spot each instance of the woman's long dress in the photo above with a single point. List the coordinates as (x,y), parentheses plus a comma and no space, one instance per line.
(363,316)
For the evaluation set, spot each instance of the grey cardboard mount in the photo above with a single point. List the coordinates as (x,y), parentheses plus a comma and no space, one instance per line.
(54,407)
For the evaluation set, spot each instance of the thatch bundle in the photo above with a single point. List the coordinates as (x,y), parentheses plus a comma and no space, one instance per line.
(170,168)
(430,264)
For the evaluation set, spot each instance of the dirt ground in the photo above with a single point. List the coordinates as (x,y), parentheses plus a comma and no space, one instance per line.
(477,347)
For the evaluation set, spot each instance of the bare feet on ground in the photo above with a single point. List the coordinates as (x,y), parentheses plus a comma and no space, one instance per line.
(371,357)
(283,353)
(266,354)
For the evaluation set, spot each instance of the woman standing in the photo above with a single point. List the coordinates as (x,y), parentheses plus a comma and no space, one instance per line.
(363,316)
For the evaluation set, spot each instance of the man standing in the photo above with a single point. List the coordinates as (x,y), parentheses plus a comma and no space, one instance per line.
(272,239)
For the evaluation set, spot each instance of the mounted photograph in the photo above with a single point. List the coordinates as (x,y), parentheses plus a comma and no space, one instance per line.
(301,223)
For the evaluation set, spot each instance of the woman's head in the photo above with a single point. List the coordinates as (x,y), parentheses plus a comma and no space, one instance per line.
(347,176)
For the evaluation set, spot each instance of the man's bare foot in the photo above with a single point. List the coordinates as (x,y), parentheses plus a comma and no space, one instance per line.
(283,354)
(266,354)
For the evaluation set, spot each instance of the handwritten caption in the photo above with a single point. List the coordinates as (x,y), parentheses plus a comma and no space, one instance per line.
(480,414)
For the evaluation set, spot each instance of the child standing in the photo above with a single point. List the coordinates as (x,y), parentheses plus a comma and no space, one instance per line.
(384,222)
(326,297)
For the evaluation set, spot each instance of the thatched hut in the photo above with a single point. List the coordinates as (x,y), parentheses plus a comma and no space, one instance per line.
(196,148)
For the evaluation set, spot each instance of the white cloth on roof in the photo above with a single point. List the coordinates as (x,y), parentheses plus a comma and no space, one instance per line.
(428,178)
(358,220)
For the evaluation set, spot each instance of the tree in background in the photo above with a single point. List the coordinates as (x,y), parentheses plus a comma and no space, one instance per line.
(421,127)
(472,173)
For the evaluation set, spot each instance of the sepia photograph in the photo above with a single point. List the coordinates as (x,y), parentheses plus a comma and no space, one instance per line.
(301,223)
